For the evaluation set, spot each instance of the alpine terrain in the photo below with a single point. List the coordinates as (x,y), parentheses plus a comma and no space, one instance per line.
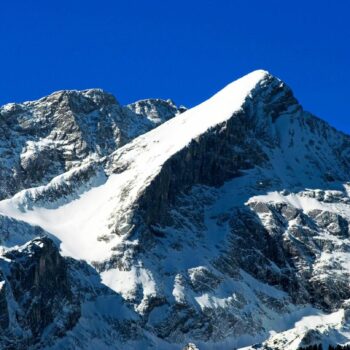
(149,226)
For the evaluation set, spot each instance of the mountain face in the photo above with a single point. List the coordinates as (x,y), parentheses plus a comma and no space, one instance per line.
(151,226)
(45,138)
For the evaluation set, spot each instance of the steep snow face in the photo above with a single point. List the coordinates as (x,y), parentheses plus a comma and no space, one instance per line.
(234,213)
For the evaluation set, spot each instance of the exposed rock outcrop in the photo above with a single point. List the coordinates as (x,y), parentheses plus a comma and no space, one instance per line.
(44,138)
(37,284)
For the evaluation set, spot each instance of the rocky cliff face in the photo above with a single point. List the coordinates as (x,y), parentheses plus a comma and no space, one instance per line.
(36,295)
(226,226)
(42,139)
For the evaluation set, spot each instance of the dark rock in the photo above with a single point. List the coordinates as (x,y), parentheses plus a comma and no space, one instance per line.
(39,284)
(4,314)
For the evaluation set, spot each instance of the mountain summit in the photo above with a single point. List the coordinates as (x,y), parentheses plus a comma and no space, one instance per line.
(152,226)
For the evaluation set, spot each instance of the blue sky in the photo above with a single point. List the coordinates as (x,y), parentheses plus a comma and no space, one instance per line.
(184,50)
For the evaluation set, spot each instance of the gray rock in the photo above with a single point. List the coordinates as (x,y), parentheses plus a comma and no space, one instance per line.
(44,138)
(36,276)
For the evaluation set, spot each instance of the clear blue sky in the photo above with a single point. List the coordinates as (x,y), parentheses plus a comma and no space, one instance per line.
(184,50)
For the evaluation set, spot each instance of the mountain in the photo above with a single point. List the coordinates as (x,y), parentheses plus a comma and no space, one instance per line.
(224,226)
(156,110)
(42,139)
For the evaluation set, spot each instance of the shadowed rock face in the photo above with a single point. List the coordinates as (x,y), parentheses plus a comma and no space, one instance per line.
(4,315)
(36,281)
(213,158)
(243,142)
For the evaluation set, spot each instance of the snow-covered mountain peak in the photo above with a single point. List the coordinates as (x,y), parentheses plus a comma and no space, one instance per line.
(219,108)
(98,96)
(143,159)
(253,89)
(235,212)
(95,95)
(135,168)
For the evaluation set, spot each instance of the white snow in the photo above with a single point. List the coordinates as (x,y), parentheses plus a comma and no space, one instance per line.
(329,324)
(126,282)
(77,224)
(294,200)
(302,202)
